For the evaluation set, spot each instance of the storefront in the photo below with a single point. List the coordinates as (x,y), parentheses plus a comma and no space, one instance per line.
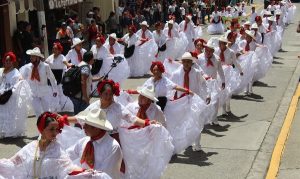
(5,44)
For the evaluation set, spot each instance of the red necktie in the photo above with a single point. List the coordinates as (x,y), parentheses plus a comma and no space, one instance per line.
(79,56)
(111,50)
(186,80)
(142,112)
(169,33)
(209,62)
(185,26)
(88,155)
(247,48)
(222,56)
(143,34)
(35,73)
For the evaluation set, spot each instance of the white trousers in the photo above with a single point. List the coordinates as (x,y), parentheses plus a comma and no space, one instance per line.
(197,141)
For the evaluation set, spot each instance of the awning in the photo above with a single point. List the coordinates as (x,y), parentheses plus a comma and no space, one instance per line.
(56,4)
(25,5)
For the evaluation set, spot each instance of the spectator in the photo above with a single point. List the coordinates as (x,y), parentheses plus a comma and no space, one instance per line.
(17,41)
(98,17)
(92,33)
(111,23)
(139,18)
(64,36)
(27,43)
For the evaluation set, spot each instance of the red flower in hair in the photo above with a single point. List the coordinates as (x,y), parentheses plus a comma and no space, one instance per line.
(257,18)
(159,65)
(11,55)
(115,86)
(61,121)
(199,40)
(133,28)
(194,54)
(101,38)
(58,46)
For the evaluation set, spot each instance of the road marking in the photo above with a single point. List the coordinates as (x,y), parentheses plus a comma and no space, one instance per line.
(283,135)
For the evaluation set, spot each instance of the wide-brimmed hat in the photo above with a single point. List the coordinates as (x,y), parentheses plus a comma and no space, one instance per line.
(95,118)
(170,22)
(148,92)
(76,41)
(144,23)
(247,23)
(278,12)
(223,39)
(35,52)
(250,33)
(212,43)
(113,35)
(254,26)
(189,16)
(187,56)
(271,18)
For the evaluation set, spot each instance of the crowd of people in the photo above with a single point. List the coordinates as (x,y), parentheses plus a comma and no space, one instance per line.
(119,137)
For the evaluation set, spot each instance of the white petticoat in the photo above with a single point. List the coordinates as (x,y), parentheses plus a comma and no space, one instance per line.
(70,136)
(273,41)
(14,113)
(198,32)
(291,14)
(170,67)
(144,55)
(147,151)
(264,64)
(215,28)
(175,47)
(248,62)
(60,103)
(119,73)
(212,109)
(184,120)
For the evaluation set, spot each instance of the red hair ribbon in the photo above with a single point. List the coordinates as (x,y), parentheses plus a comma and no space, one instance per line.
(132,27)
(159,65)
(101,38)
(115,86)
(200,40)
(61,121)
(11,56)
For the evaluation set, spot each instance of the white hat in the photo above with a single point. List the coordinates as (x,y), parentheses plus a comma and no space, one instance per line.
(76,41)
(114,36)
(212,43)
(254,26)
(148,92)
(144,23)
(35,52)
(187,56)
(250,33)
(278,12)
(247,23)
(271,18)
(95,118)
(223,39)
(170,22)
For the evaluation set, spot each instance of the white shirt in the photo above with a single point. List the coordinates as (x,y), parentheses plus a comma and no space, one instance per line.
(8,80)
(262,29)
(160,39)
(72,56)
(190,32)
(153,112)
(211,71)
(252,17)
(118,48)
(174,33)
(148,34)
(108,155)
(56,63)
(100,53)
(197,83)
(39,88)
(230,58)
(130,40)
(252,45)
(86,71)
(235,47)
(258,38)
(162,87)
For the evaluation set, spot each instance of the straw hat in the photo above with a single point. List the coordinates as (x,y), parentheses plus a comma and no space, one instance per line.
(148,92)
(76,41)
(250,33)
(113,35)
(254,26)
(212,43)
(187,56)
(271,18)
(278,12)
(144,23)
(95,118)
(189,16)
(170,22)
(223,39)
(35,52)
(247,23)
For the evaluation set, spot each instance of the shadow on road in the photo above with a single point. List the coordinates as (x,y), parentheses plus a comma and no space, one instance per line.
(139,77)
(194,158)
(20,141)
(252,97)
(277,63)
(262,84)
(232,118)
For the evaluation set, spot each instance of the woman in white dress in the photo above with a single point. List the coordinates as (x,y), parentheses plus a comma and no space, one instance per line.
(216,25)
(59,64)
(13,113)
(41,158)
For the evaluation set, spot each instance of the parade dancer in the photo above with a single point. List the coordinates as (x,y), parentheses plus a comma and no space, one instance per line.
(75,55)
(187,27)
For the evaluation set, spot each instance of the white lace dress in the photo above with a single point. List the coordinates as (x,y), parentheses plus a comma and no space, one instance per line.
(52,163)
(13,114)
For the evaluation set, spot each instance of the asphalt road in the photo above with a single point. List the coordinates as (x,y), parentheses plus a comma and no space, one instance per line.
(242,146)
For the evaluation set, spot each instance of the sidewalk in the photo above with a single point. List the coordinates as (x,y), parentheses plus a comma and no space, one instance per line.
(290,162)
